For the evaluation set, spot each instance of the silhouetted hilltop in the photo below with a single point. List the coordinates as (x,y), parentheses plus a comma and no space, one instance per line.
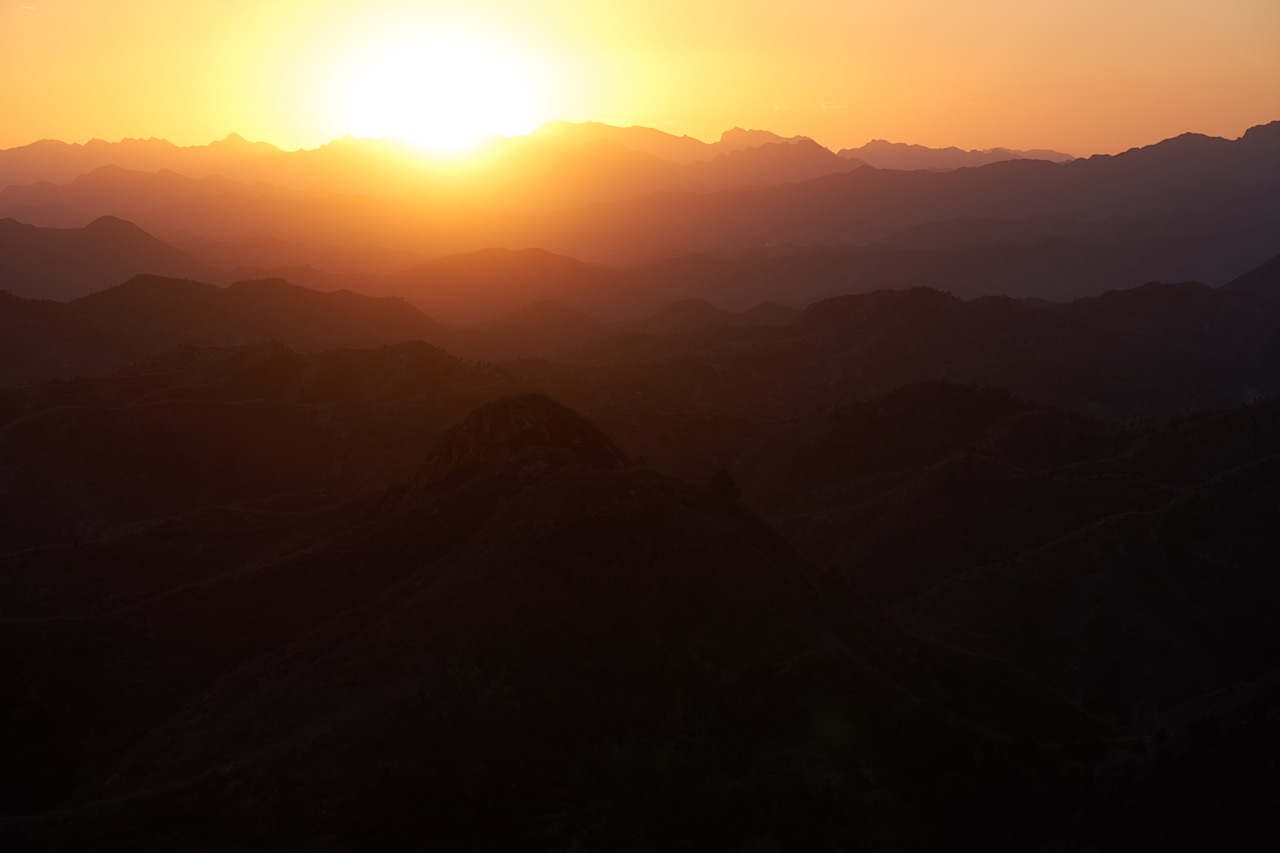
(228,569)
(1224,221)
(1148,351)
(767,164)
(136,195)
(199,314)
(1189,209)
(739,139)
(148,315)
(59,162)
(1071,548)
(898,155)
(506,430)
(598,642)
(645,140)
(55,263)
(851,485)
(243,426)
(1263,282)
(1158,598)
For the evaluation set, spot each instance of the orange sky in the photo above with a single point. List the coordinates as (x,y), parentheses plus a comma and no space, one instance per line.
(1083,77)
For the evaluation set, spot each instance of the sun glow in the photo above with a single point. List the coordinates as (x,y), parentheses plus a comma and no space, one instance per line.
(443,94)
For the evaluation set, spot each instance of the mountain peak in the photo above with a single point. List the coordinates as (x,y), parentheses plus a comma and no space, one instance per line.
(231,140)
(511,427)
(113,226)
(1262,134)
(738,137)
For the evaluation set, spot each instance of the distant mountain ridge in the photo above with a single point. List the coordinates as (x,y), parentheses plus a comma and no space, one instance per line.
(149,315)
(899,155)
(53,263)
(333,164)
(1189,208)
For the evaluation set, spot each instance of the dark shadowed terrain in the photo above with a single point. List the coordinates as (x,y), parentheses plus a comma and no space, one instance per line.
(638,493)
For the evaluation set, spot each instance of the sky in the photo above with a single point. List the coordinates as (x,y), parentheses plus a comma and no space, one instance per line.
(1089,76)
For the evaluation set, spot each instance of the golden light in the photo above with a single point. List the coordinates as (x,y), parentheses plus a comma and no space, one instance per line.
(442,94)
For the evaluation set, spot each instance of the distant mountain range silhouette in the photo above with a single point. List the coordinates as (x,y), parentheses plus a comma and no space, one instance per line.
(1148,351)
(53,263)
(633,493)
(898,155)
(236,158)
(149,315)
(1190,208)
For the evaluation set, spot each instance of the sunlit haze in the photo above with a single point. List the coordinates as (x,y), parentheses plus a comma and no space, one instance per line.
(443,93)
(1090,77)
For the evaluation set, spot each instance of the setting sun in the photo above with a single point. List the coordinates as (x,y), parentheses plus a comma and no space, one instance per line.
(442,94)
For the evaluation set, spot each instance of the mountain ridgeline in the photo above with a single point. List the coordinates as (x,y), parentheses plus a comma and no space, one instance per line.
(631,492)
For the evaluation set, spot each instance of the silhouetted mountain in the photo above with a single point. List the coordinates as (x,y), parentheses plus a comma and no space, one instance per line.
(135,195)
(1191,208)
(197,428)
(1011,583)
(509,430)
(1199,208)
(899,155)
(60,162)
(597,652)
(1127,568)
(549,600)
(739,139)
(558,166)
(565,136)
(1151,603)
(768,164)
(971,267)
(343,165)
(149,315)
(250,311)
(1149,351)
(1262,283)
(676,149)
(605,168)
(52,263)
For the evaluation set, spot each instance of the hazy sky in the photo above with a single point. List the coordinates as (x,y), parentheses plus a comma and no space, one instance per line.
(1086,76)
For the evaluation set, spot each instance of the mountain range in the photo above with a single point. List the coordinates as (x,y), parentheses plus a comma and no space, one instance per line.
(1189,208)
(623,491)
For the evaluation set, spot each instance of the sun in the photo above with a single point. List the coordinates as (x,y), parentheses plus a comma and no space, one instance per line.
(443,94)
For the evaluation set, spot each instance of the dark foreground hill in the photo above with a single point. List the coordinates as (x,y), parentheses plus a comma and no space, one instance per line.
(1131,568)
(286,621)
(531,644)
